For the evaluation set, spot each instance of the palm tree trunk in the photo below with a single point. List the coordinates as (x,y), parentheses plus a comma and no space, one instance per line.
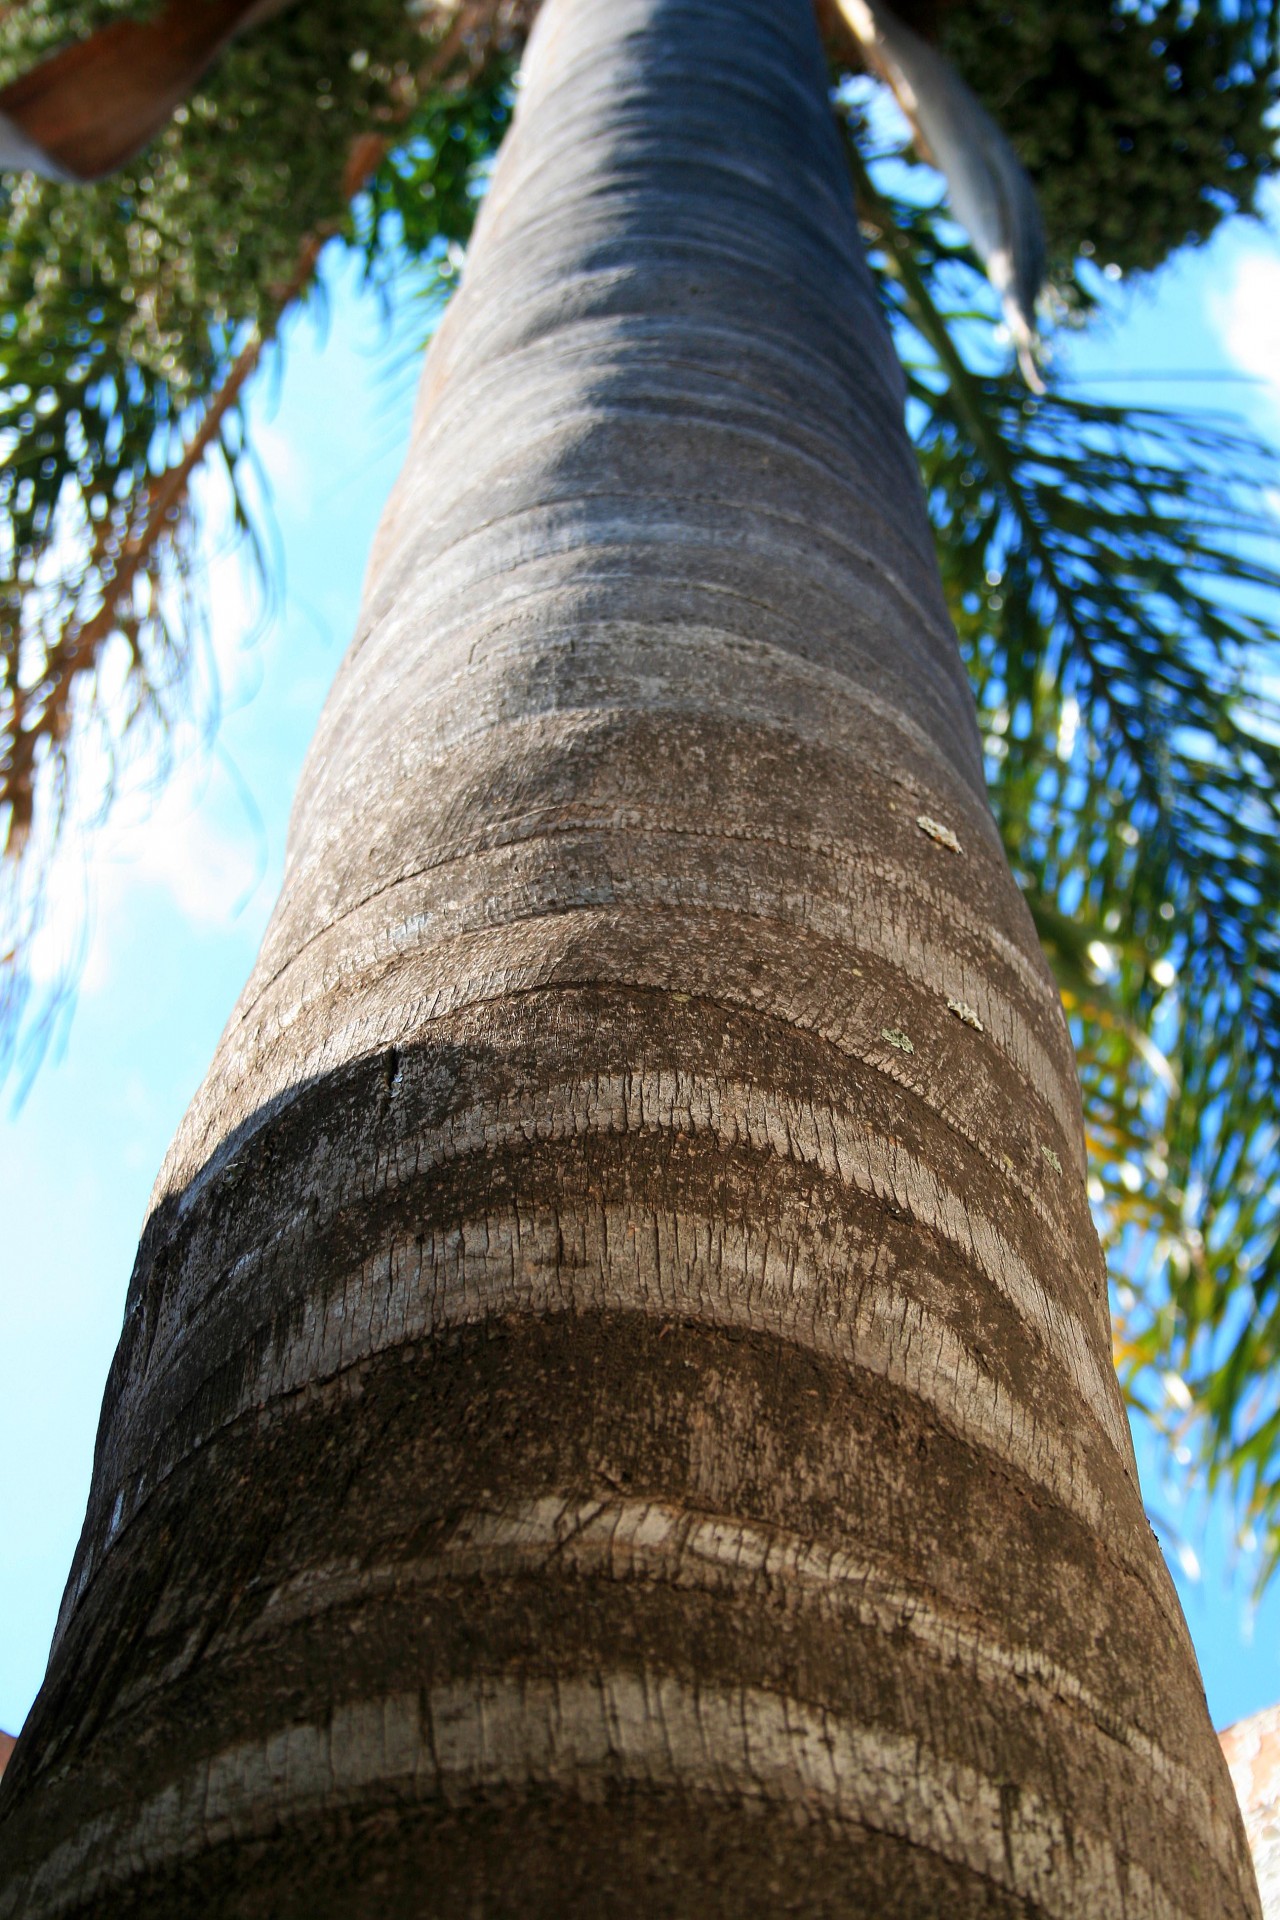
(614,1414)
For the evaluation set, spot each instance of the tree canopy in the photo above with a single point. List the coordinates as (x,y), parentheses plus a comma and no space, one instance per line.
(1111,569)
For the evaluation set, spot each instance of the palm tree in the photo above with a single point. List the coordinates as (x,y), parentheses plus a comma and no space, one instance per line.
(615,1409)
(1106,566)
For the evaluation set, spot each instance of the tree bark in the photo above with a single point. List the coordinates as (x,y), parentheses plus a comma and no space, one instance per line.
(614,1413)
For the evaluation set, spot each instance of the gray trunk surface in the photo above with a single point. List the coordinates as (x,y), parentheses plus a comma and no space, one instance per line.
(614,1414)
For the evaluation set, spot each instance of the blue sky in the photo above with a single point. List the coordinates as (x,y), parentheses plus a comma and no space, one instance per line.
(181,886)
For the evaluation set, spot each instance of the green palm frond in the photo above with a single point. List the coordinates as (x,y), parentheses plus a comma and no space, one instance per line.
(1114,575)
(132,315)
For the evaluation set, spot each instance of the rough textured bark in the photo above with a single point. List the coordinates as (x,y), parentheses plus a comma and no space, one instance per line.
(614,1413)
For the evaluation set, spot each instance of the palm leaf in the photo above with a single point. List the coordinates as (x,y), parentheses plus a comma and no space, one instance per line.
(1113,576)
(132,316)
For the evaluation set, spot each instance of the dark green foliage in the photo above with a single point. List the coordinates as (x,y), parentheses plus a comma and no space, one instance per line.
(1140,125)
(203,231)
(159,268)
(29,32)
(422,200)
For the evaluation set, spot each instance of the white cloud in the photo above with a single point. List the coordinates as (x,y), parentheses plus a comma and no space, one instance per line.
(288,473)
(194,842)
(1247,318)
(194,836)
